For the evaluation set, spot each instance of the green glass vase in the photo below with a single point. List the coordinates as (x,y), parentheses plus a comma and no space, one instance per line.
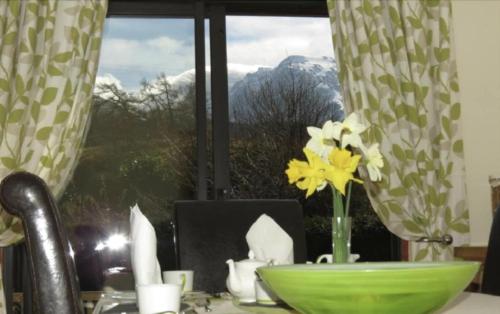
(341,239)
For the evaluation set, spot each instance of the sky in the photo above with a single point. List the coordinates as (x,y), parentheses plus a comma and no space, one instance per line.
(134,49)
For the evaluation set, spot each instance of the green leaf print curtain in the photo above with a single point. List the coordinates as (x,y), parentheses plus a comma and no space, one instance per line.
(398,70)
(48,60)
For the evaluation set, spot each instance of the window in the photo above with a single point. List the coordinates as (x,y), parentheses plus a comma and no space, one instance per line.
(291,83)
(158,134)
(140,146)
(274,95)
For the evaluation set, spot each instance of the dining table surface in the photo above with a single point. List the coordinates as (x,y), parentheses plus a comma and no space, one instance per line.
(473,303)
(465,303)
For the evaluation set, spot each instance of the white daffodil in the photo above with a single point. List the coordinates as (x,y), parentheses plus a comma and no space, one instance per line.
(321,141)
(348,131)
(374,161)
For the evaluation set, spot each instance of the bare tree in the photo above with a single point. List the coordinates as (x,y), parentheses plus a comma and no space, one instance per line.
(269,128)
(139,148)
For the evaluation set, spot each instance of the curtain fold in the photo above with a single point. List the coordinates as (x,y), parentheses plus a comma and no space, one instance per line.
(397,68)
(48,61)
(49,53)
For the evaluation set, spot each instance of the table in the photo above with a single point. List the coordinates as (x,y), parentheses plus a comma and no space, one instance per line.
(466,303)
(473,303)
(89,298)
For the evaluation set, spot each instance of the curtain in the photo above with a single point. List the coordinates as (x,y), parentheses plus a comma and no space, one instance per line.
(397,68)
(48,61)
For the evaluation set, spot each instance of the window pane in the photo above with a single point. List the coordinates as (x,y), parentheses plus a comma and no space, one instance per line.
(140,147)
(283,78)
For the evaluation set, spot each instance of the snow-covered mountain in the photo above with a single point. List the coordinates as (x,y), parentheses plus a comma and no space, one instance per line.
(321,71)
(235,73)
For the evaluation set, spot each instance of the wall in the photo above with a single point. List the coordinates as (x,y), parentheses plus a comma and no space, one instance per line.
(477,36)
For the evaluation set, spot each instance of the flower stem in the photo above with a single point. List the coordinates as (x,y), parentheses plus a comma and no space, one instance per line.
(348,199)
(338,206)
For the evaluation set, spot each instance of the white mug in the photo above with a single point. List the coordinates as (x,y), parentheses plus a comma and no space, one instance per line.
(158,298)
(184,278)
(328,258)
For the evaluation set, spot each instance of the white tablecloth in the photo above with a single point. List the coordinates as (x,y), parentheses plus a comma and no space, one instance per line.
(466,303)
(473,303)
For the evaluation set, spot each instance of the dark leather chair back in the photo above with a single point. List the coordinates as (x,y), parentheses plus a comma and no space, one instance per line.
(491,274)
(52,269)
(211,232)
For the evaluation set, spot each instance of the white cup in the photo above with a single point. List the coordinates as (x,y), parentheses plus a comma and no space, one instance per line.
(158,298)
(183,278)
(328,258)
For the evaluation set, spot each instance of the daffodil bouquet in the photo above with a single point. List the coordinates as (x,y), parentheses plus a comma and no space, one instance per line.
(333,154)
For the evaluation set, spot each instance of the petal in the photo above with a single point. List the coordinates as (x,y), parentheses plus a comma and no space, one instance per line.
(339,181)
(315,146)
(364,150)
(354,124)
(325,152)
(304,184)
(314,132)
(294,171)
(353,163)
(322,186)
(358,128)
(315,160)
(374,173)
(338,156)
(377,162)
(310,155)
(352,139)
(374,148)
(328,130)
(374,156)
(351,118)
(337,130)
(310,190)
(293,175)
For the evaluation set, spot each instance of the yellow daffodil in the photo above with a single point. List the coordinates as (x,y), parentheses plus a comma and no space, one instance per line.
(374,161)
(348,131)
(308,175)
(321,141)
(330,162)
(342,167)
(295,170)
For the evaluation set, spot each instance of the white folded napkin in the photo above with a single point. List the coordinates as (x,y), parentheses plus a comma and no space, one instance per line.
(143,249)
(269,241)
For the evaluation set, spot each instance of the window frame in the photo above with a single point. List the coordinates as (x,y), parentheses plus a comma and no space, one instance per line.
(187,8)
(215,11)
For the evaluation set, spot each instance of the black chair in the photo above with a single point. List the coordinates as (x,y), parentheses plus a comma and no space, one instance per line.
(51,267)
(211,232)
(15,278)
(491,274)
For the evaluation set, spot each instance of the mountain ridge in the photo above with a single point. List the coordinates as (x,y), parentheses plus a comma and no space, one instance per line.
(322,71)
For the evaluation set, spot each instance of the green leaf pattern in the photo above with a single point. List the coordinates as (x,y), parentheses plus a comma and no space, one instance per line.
(44,105)
(397,67)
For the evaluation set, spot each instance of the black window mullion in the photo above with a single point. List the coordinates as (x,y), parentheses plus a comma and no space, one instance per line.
(220,111)
(201,110)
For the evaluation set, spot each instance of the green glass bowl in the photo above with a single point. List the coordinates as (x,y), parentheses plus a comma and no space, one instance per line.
(382,288)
